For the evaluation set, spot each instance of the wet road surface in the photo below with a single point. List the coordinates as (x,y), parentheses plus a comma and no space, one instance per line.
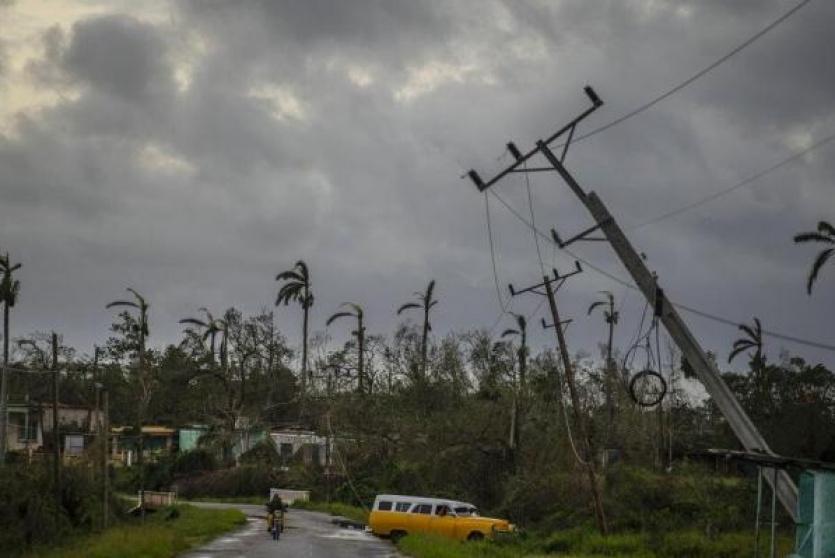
(306,535)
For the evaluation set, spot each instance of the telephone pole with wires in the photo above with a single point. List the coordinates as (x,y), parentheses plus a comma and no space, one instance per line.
(744,428)
(587,459)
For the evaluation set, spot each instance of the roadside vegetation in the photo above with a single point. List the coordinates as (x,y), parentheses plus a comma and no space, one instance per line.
(164,533)
(579,543)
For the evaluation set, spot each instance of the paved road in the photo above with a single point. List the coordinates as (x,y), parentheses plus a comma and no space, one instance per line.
(307,535)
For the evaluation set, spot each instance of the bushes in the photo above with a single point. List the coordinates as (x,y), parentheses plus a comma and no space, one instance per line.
(642,500)
(262,453)
(30,514)
(195,461)
(246,480)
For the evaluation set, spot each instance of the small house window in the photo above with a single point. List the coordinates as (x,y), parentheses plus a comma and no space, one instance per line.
(402,506)
(384,506)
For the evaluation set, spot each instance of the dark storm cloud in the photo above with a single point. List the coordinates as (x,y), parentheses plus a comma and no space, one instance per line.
(351,159)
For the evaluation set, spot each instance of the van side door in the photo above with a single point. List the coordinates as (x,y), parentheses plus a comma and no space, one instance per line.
(419,518)
(443,521)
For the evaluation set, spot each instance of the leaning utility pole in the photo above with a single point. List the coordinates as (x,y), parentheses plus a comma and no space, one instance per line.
(707,372)
(587,459)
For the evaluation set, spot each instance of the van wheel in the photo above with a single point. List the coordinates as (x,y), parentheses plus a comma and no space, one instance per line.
(397,535)
(475,536)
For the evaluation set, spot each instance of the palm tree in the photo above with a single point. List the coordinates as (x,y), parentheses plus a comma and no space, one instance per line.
(521,332)
(210,328)
(753,339)
(610,315)
(356,312)
(141,305)
(426,303)
(826,235)
(297,289)
(9,291)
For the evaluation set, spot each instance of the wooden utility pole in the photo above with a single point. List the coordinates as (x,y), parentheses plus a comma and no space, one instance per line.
(587,459)
(56,435)
(710,377)
(105,430)
(579,423)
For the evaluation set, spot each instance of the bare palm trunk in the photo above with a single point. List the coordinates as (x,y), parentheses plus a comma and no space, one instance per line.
(4,385)
(304,346)
(140,458)
(424,344)
(361,356)
(609,380)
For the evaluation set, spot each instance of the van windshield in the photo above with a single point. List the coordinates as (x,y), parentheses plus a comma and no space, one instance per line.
(467,511)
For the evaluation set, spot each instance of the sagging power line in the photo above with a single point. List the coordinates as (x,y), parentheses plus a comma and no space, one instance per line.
(624,283)
(647,282)
(742,183)
(649,104)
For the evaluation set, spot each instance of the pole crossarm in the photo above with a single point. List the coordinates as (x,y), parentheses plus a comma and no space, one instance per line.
(546,325)
(579,236)
(521,158)
(739,421)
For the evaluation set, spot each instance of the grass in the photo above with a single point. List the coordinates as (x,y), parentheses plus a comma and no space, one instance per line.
(334,508)
(158,537)
(579,543)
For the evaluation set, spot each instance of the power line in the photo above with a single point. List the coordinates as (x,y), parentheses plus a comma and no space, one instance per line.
(616,279)
(697,75)
(493,253)
(774,334)
(533,220)
(737,186)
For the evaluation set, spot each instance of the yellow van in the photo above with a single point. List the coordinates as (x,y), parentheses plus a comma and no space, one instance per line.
(396,516)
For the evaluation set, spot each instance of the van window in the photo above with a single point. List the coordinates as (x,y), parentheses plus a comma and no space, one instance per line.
(422,508)
(403,506)
(442,509)
(464,510)
(384,506)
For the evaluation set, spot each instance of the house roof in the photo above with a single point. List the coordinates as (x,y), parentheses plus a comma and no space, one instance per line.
(148,430)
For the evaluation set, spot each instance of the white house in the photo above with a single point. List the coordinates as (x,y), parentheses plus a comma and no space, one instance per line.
(313,448)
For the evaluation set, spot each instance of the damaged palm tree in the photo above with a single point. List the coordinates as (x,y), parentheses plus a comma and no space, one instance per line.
(355,312)
(297,288)
(143,377)
(426,303)
(610,315)
(521,332)
(825,235)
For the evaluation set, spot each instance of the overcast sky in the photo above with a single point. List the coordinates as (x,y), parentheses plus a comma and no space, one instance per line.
(192,150)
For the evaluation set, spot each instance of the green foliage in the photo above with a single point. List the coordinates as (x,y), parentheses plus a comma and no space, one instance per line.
(643,500)
(31,514)
(246,480)
(263,453)
(164,534)
(586,543)
(195,461)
